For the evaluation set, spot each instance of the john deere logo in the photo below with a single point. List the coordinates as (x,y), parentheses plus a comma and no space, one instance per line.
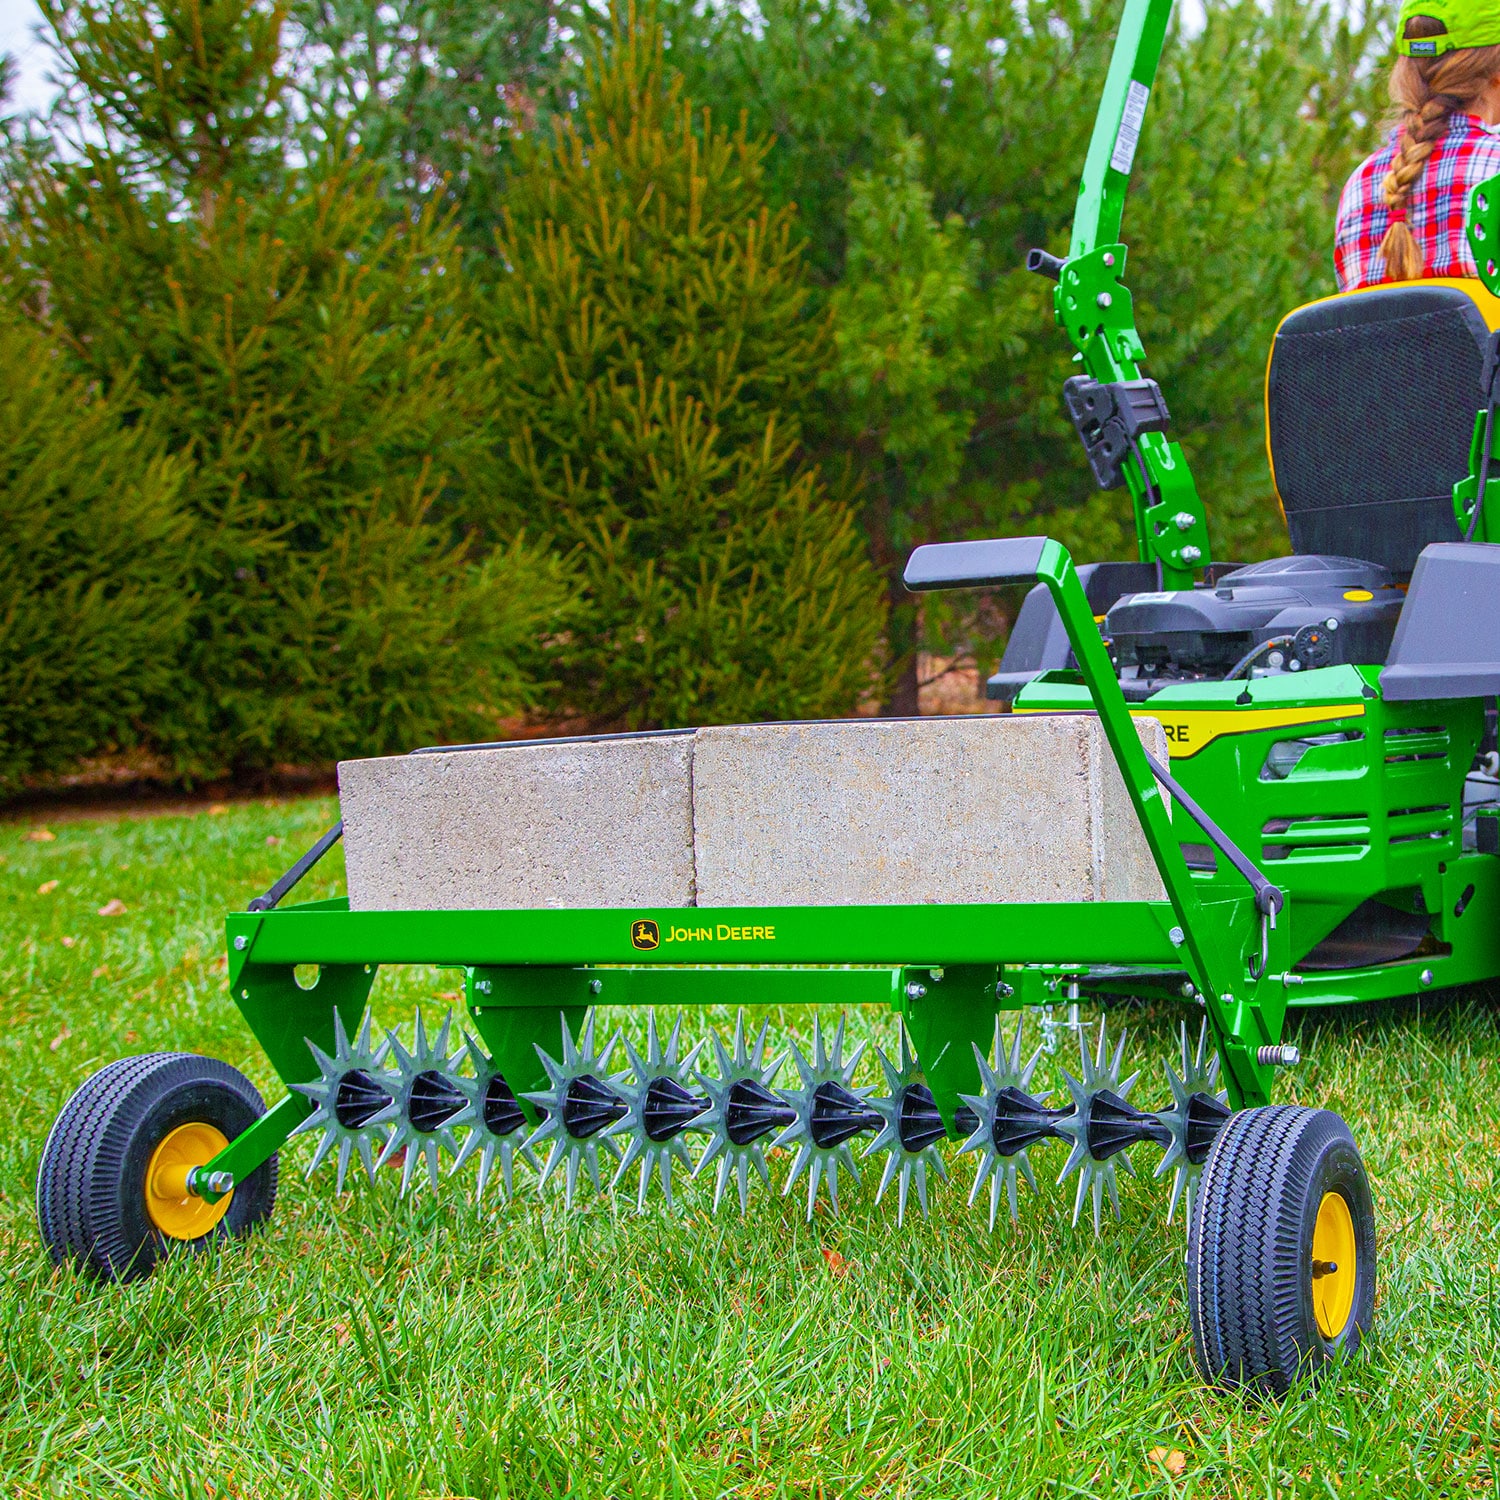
(644,934)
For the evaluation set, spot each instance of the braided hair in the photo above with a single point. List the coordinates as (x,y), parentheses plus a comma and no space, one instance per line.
(1427,92)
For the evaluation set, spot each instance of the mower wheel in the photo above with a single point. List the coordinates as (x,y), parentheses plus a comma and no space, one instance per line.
(110,1191)
(1281,1255)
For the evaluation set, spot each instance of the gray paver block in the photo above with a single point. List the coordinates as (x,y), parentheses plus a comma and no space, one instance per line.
(862,812)
(602,823)
(973,808)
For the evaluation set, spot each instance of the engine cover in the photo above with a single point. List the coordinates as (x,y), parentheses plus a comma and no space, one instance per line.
(1303,612)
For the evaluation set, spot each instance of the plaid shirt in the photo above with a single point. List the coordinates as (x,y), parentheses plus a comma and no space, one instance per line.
(1435,211)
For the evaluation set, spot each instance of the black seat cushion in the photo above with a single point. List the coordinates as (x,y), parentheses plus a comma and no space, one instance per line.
(1370,402)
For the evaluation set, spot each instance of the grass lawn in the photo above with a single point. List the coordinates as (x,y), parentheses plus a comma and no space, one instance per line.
(368,1346)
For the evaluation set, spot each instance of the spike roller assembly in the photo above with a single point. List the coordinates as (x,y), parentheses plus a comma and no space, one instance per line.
(646,1115)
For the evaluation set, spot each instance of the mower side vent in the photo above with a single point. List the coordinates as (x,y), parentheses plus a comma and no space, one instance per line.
(1416,743)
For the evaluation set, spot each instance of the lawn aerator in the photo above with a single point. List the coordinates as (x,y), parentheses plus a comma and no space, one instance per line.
(1323,828)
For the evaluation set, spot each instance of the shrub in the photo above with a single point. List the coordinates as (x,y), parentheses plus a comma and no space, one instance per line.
(93,604)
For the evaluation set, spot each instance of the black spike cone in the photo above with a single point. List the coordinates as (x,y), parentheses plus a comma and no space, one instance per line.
(837,1115)
(358,1100)
(919,1122)
(753,1111)
(1114,1125)
(591,1106)
(965,1121)
(433,1101)
(1022,1121)
(1205,1119)
(502,1112)
(669,1108)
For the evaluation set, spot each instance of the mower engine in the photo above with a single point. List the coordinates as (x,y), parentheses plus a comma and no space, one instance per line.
(1288,614)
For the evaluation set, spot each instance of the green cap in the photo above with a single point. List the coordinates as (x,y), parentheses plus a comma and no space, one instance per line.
(1470,23)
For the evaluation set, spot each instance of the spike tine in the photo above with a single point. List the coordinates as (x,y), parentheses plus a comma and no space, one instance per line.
(325,1145)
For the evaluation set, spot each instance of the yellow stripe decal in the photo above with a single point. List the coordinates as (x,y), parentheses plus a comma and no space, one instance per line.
(1188,733)
(1189,730)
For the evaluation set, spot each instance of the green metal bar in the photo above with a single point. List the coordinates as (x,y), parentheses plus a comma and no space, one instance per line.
(1095,308)
(926,935)
(253,1146)
(556,988)
(1210,947)
(1117,125)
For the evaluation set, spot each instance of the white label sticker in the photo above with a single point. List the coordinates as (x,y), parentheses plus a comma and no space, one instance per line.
(1130,126)
(1165,598)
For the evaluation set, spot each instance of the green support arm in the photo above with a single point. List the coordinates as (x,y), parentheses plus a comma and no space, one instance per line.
(1094,306)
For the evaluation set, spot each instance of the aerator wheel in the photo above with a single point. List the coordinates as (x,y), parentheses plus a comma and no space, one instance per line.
(1281,1256)
(111,1192)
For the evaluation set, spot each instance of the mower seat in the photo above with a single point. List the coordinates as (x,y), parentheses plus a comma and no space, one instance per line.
(1370,402)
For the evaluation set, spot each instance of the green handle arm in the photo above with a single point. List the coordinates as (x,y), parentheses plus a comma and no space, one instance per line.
(1212,951)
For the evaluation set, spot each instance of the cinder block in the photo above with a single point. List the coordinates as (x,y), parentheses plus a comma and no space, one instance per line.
(567,824)
(861,812)
(856,812)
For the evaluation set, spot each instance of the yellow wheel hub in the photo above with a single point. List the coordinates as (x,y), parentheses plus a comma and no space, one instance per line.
(1335,1263)
(179,1214)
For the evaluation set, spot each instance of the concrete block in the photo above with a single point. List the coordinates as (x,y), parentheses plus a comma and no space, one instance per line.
(871,812)
(566,824)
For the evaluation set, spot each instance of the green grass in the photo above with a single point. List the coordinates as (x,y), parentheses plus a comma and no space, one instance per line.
(369,1346)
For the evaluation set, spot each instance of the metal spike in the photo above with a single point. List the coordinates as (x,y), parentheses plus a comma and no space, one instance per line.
(581,1072)
(1000,1080)
(904,1136)
(1196,1104)
(1096,1173)
(346,1095)
(825,1098)
(736,1151)
(495,1122)
(661,1073)
(428,1096)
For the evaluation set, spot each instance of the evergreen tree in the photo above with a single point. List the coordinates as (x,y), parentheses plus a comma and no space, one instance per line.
(930,144)
(310,360)
(434,91)
(93,595)
(654,352)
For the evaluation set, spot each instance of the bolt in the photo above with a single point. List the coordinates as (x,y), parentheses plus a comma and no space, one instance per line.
(1189,989)
(915,991)
(936,975)
(482,985)
(1184,520)
(1425,976)
(1290,978)
(1191,553)
(1104,299)
(1176,937)
(1331,624)
(220,1182)
(1282,1056)
(595,986)
(1004,991)
(1109,257)
(241,943)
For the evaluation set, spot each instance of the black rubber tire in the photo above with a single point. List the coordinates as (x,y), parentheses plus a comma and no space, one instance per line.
(90,1185)
(1249,1266)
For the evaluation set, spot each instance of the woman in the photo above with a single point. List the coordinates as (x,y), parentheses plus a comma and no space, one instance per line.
(1402,214)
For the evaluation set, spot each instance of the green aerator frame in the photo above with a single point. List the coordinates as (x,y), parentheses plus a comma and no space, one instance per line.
(946,969)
